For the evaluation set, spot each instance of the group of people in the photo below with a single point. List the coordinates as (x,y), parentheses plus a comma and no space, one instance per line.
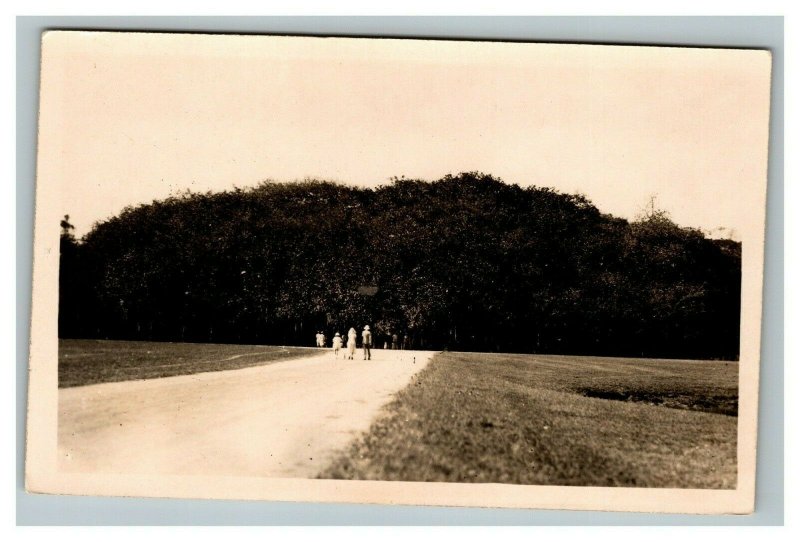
(352,335)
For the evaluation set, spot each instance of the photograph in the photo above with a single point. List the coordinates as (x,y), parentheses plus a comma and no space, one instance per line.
(398,271)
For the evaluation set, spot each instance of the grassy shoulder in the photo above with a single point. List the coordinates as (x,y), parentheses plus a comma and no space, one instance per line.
(556,420)
(82,362)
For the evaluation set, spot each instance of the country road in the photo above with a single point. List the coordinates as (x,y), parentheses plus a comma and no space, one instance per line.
(285,419)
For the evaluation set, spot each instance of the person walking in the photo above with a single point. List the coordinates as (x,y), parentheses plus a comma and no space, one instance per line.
(337,344)
(366,337)
(351,343)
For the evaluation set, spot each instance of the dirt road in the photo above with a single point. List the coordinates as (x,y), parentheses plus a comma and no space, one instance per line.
(285,419)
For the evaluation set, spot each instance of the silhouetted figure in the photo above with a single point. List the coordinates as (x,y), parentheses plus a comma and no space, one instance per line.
(366,337)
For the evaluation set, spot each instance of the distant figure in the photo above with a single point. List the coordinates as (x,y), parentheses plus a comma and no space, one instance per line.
(395,340)
(337,344)
(322,339)
(366,336)
(351,343)
(406,342)
(319,339)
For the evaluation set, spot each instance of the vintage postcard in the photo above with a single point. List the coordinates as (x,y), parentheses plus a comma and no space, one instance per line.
(398,271)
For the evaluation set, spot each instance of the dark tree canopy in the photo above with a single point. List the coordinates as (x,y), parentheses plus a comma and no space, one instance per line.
(464,263)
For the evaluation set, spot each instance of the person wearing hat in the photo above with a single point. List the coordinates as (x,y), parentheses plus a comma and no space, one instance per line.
(337,344)
(366,337)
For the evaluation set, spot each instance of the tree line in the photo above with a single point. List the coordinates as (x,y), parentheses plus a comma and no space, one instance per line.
(467,262)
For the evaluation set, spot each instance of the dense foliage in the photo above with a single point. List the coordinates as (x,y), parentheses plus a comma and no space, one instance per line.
(463,263)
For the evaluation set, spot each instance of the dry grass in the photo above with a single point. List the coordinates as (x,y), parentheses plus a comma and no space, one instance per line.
(82,362)
(556,420)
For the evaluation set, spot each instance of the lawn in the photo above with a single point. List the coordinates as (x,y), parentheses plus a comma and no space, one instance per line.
(82,362)
(556,420)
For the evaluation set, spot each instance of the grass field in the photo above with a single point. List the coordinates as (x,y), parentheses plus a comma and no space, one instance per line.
(82,362)
(556,420)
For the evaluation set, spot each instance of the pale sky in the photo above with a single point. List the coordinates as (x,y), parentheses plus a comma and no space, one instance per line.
(129,118)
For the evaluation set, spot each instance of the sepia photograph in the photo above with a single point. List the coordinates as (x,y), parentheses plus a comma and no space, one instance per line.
(398,271)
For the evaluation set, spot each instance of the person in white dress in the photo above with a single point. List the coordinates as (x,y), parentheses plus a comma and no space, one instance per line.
(351,343)
(337,345)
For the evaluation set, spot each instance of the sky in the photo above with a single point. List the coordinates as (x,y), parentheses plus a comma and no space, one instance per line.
(127,118)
